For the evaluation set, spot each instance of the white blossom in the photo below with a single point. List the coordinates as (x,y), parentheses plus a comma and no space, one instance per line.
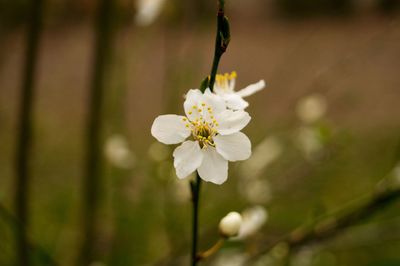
(265,153)
(216,136)
(309,141)
(311,108)
(229,226)
(118,153)
(225,87)
(253,219)
(147,11)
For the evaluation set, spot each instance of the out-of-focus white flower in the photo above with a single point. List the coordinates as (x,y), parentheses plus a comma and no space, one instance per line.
(158,152)
(216,136)
(252,220)
(229,226)
(147,11)
(309,141)
(230,257)
(118,153)
(256,191)
(311,108)
(263,154)
(225,87)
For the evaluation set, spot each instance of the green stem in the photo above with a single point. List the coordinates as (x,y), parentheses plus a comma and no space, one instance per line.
(23,147)
(195,188)
(219,49)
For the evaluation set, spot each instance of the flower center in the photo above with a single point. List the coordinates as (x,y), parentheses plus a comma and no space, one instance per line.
(225,81)
(204,126)
(203,133)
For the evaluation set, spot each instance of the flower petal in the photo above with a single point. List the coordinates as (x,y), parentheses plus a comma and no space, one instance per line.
(234,147)
(251,89)
(232,121)
(214,101)
(193,97)
(235,102)
(214,167)
(170,129)
(187,158)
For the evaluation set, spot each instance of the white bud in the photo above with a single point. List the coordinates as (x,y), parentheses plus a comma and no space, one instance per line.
(230,225)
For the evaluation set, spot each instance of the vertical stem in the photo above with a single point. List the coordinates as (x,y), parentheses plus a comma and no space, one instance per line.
(91,185)
(219,49)
(23,147)
(195,186)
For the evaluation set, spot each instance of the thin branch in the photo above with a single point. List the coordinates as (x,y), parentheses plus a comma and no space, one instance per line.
(221,43)
(330,226)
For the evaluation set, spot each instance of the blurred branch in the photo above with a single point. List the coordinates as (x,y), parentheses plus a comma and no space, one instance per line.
(91,186)
(330,226)
(24,138)
(9,218)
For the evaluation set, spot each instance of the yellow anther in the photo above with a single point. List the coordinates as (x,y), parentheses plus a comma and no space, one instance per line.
(184,119)
(187,125)
(216,124)
(203,104)
(199,110)
(194,106)
(190,112)
(233,75)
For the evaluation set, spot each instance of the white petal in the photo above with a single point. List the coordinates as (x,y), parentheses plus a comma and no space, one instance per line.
(251,89)
(218,90)
(234,147)
(232,121)
(235,102)
(187,158)
(193,97)
(214,101)
(214,167)
(170,129)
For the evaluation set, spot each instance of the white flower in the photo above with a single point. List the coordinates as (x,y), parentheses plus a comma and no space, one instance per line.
(118,153)
(147,11)
(309,141)
(311,108)
(216,136)
(230,225)
(225,85)
(262,156)
(252,220)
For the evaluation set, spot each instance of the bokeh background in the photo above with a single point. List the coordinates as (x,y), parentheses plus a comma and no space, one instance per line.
(325,131)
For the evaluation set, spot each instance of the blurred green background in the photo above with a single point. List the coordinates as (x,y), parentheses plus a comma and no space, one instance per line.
(325,131)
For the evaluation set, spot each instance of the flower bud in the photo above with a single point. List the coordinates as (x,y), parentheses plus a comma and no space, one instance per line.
(230,225)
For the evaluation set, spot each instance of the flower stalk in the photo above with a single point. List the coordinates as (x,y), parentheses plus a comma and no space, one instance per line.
(195,188)
(211,251)
(221,43)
